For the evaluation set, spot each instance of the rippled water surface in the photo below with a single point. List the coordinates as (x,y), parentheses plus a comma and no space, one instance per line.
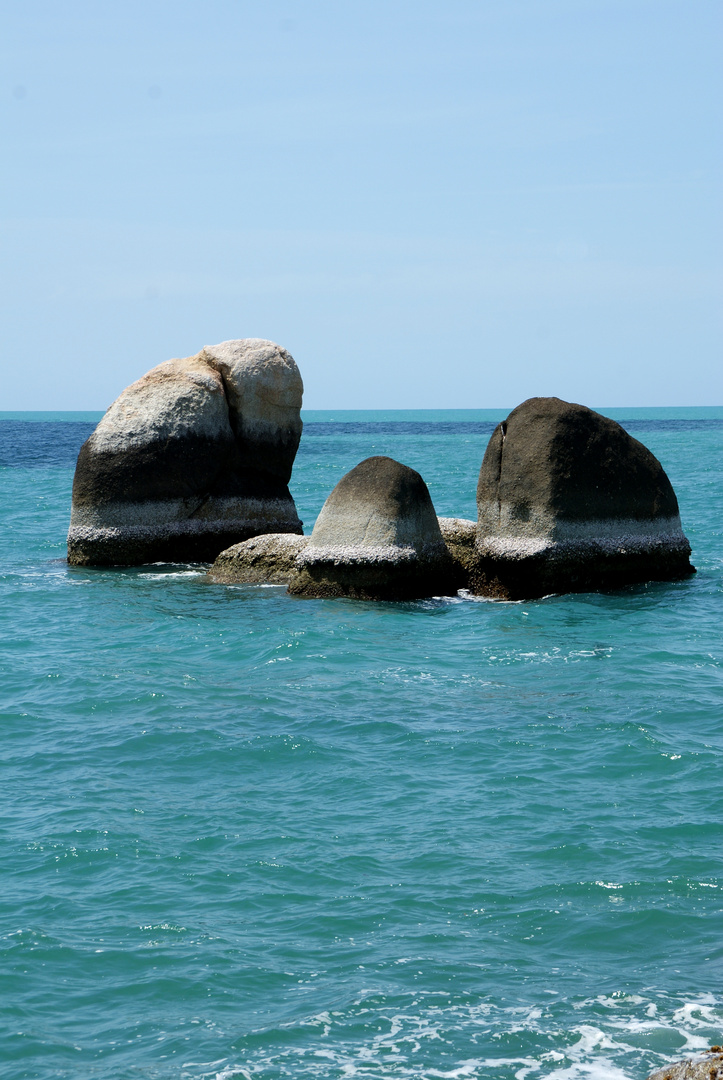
(246,836)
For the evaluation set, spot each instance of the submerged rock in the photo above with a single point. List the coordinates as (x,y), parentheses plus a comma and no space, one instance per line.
(710,1068)
(377,538)
(194,456)
(567,501)
(266,559)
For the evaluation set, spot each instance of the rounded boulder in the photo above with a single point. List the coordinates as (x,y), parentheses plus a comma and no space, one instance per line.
(377,538)
(568,501)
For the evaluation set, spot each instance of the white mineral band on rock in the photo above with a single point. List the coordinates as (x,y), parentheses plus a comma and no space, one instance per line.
(621,536)
(189,527)
(628,530)
(377,553)
(503,520)
(211,512)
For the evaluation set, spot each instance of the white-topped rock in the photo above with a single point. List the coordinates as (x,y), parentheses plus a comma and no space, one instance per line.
(194,456)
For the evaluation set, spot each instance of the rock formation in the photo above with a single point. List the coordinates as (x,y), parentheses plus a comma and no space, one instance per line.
(271,559)
(266,559)
(194,456)
(567,501)
(377,538)
(709,1068)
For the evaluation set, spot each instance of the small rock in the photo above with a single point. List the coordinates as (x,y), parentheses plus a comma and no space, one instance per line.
(459,534)
(710,1068)
(266,559)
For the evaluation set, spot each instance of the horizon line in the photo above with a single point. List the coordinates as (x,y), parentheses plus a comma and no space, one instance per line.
(7,413)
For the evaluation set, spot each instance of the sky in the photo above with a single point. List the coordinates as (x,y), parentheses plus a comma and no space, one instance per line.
(454,204)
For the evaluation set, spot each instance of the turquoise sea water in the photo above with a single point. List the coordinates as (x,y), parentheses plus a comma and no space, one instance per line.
(246,836)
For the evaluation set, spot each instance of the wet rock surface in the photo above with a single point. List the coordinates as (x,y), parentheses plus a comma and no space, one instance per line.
(194,456)
(567,501)
(266,559)
(709,1068)
(377,538)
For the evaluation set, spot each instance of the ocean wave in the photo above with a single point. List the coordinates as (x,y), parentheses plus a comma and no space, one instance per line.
(630,1035)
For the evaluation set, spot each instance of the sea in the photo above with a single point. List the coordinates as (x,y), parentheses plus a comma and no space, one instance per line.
(250,837)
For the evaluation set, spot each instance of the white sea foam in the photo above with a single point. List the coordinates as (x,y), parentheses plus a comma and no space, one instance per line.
(434,1042)
(156,575)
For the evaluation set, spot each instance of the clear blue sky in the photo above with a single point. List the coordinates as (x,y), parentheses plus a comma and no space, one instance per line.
(449,204)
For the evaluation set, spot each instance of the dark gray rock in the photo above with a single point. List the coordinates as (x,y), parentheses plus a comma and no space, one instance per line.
(377,538)
(567,501)
(709,1068)
(266,559)
(194,456)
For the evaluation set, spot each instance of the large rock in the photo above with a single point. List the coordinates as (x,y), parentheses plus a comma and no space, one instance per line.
(709,1068)
(567,501)
(191,458)
(377,538)
(266,559)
